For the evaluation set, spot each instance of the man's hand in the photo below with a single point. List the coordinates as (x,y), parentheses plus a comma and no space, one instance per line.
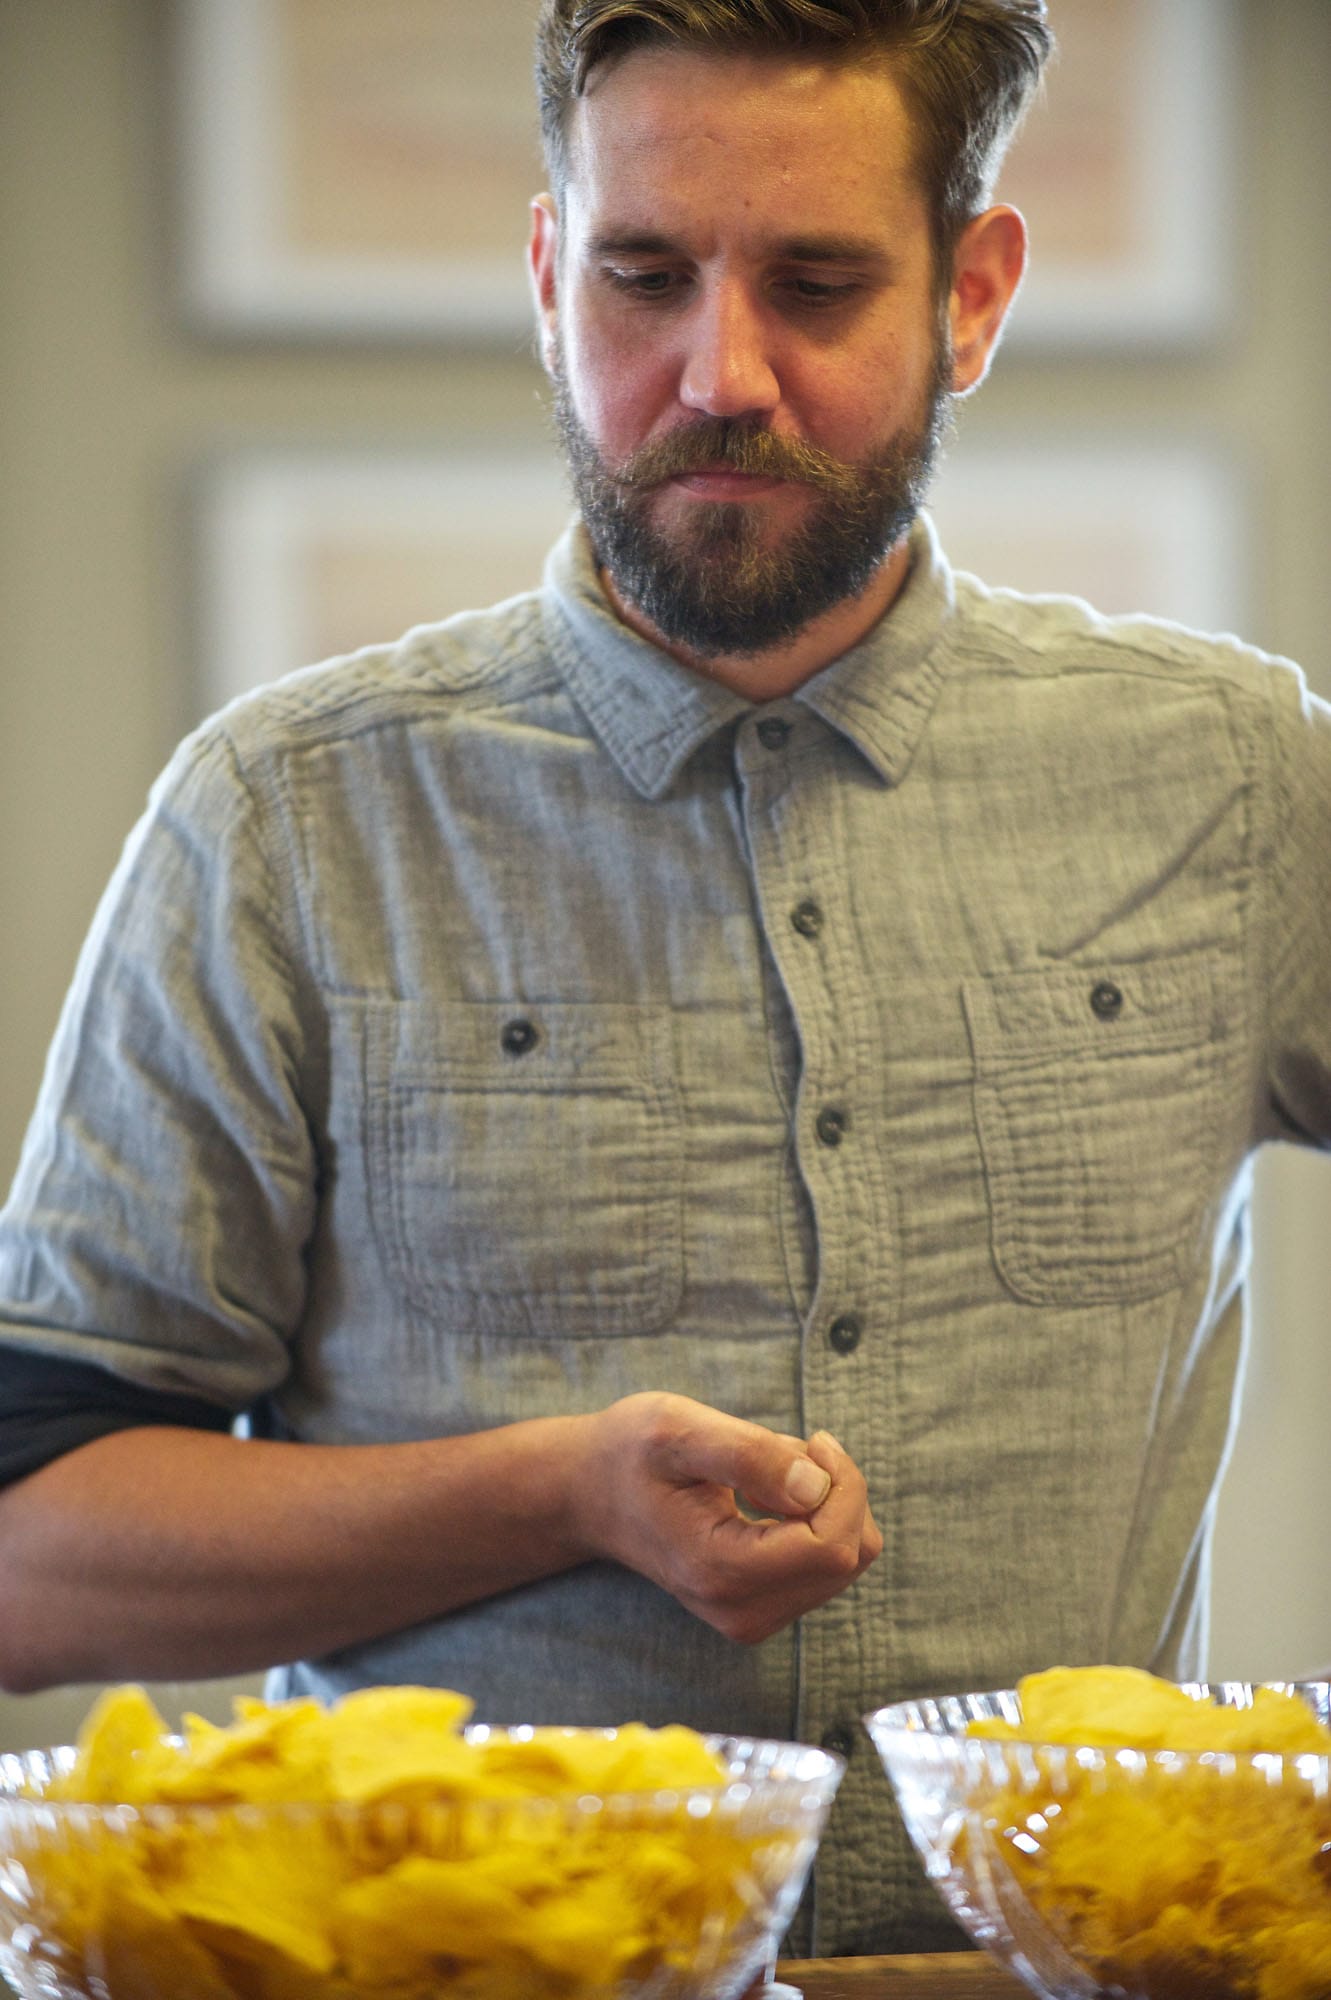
(672,1489)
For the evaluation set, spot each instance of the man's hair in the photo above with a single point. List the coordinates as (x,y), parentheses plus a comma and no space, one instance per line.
(967,69)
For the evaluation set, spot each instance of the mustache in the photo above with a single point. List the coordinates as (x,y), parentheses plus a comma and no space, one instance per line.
(712,442)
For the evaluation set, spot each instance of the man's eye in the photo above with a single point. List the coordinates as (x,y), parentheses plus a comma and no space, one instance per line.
(642,284)
(822,291)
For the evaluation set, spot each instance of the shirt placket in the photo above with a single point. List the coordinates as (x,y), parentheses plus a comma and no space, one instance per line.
(792,768)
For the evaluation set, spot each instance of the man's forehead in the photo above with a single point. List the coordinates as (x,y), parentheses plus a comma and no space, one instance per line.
(663,120)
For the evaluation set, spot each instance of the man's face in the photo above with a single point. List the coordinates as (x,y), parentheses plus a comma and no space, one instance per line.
(739,317)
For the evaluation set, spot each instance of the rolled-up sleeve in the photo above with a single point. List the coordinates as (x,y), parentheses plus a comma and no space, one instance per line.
(1299,951)
(165,1193)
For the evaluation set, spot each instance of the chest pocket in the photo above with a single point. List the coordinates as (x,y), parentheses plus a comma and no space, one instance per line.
(525,1165)
(1097,1098)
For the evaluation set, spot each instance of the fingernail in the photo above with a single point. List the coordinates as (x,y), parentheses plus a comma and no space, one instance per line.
(807,1484)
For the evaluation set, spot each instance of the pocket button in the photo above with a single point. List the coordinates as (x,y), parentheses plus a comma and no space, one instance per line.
(830,1125)
(846,1332)
(1106,999)
(518,1038)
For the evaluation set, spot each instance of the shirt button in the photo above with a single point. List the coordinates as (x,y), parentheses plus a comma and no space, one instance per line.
(839,1739)
(831,1125)
(807,918)
(1106,999)
(518,1038)
(846,1332)
(773,733)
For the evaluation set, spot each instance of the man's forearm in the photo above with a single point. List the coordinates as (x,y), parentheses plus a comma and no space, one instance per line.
(174,1554)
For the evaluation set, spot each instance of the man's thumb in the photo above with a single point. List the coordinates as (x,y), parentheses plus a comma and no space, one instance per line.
(807,1485)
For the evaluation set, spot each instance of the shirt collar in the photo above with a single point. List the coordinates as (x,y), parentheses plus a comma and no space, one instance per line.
(652,713)
(881,693)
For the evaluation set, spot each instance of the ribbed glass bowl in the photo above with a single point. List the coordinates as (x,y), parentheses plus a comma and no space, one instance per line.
(644,1896)
(1140,1875)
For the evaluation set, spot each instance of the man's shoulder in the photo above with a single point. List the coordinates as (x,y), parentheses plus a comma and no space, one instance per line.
(495,657)
(1042,636)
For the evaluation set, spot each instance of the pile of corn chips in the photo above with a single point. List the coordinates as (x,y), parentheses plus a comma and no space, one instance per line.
(1172,1875)
(371,1848)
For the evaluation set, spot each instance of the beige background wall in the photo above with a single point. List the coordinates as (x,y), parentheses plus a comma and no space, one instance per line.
(107,406)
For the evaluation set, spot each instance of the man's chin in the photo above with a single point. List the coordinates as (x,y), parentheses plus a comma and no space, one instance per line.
(705,611)
(701,525)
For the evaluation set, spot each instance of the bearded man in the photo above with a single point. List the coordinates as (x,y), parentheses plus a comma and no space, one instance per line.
(702,1116)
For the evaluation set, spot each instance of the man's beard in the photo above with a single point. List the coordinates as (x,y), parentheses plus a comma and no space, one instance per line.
(713,586)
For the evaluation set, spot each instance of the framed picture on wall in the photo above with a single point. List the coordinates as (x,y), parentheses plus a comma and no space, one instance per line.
(1133,525)
(305,554)
(357,171)
(1124,171)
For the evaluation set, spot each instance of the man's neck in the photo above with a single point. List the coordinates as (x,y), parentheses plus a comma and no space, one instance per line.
(768,675)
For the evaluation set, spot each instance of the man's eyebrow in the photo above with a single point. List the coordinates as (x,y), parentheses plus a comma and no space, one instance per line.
(832,248)
(631,243)
(828,248)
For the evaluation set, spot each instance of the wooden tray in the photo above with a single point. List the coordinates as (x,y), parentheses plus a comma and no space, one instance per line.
(962,1975)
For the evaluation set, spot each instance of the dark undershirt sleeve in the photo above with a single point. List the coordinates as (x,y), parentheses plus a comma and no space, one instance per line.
(49,1405)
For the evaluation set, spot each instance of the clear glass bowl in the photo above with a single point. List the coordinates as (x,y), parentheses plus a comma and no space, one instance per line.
(669,1895)
(1140,1875)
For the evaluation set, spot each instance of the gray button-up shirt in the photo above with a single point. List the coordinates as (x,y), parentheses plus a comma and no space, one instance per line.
(510,1019)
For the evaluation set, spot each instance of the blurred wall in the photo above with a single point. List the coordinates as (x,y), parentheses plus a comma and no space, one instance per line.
(107,403)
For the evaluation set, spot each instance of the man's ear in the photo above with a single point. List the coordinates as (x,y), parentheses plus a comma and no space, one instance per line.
(986,271)
(542,262)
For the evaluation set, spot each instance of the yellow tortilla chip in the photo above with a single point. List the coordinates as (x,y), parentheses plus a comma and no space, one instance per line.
(396,1926)
(265,1881)
(267,1753)
(399,1743)
(139,1948)
(119,1732)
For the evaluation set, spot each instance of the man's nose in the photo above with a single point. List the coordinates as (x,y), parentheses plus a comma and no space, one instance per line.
(728,365)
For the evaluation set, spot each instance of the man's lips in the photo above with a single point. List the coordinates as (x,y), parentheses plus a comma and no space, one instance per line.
(721,483)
